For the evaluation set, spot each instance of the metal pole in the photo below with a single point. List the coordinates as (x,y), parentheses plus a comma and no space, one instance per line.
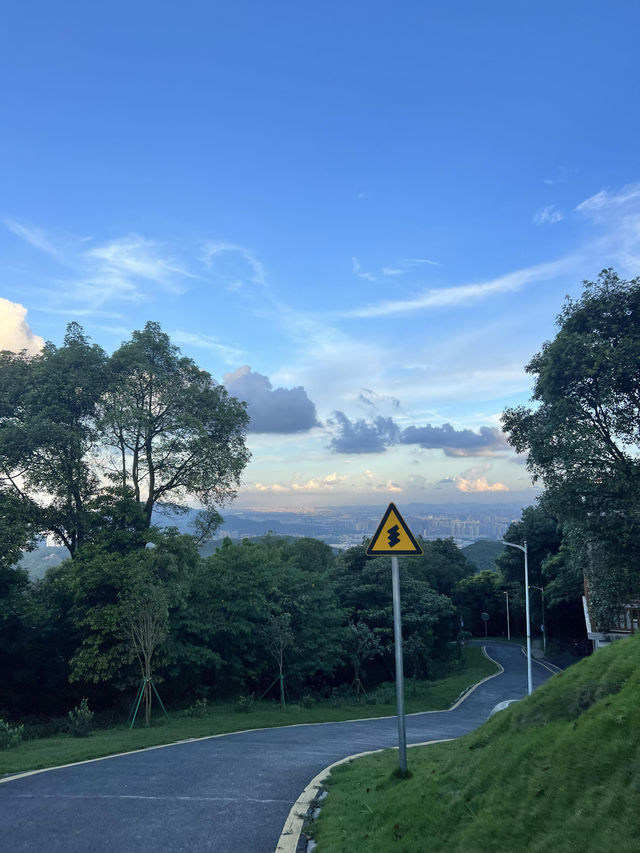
(526,597)
(508,623)
(526,594)
(397,631)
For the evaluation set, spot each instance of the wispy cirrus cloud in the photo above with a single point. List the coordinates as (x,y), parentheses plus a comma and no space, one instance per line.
(617,212)
(548,215)
(464,294)
(356,269)
(230,355)
(87,275)
(233,265)
(605,200)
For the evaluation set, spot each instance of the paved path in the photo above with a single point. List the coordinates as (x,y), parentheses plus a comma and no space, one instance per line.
(227,794)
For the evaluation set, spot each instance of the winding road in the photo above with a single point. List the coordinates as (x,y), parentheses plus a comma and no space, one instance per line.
(226,793)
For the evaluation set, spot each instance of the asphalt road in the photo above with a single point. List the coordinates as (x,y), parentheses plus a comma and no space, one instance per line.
(224,794)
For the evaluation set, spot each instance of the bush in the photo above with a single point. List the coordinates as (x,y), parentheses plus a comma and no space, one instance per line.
(10,735)
(80,722)
(245,704)
(307,701)
(198,709)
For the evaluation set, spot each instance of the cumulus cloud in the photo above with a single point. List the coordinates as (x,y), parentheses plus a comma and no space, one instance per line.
(455,442)
(473,480)
(277,410)
(15,334)
(362,436)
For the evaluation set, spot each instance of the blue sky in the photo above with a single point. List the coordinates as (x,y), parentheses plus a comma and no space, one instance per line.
(366,216)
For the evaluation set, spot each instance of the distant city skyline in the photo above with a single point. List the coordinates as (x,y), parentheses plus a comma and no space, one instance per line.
(362,220)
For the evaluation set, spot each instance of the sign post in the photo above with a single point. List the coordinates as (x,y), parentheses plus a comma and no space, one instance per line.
(394,538)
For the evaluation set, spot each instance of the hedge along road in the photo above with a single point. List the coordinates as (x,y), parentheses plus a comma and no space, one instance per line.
(224,793)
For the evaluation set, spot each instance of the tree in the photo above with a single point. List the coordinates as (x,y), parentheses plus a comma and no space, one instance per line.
(278,637)
(48,433)
(173,432)
(362,644)
(582,437)
(147,419)
(146,626)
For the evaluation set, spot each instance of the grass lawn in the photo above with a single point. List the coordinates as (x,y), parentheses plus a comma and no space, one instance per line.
(221,718)
(559,771)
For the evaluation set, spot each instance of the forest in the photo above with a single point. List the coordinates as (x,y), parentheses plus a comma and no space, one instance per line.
(91,445)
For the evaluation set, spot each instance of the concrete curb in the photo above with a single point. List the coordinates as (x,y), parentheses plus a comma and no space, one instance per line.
(10,777)
(290,835)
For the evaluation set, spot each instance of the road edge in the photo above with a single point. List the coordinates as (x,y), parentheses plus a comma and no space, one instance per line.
(292,829)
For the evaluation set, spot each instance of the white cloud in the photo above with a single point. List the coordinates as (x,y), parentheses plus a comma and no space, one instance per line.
(480,484)
(127,269)
(233,264)
(618,213)
(135,257)
(547,215)
(230,355)
(605,200)
(464,294)
(36,237)
(473,480)
(15,334)
(356,269)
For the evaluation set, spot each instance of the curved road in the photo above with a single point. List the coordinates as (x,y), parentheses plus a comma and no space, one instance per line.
(225,794)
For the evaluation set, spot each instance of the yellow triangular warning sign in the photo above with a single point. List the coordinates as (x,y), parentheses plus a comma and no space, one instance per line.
(393,537)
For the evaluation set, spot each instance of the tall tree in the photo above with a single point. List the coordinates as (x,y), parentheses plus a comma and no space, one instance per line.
(48,433)
(147,419)
(173,431)
(583,435)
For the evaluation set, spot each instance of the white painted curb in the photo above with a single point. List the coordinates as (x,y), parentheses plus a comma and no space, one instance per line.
(290,834)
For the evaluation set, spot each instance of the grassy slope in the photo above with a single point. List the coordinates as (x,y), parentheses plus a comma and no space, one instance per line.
(557,772)
(48,752)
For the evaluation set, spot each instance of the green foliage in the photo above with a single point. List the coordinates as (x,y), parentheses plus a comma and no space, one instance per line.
(483,554)
(150,421)
(80,720)
(10,735)
(583,435)
(482,592)
(197,708)
(245,704)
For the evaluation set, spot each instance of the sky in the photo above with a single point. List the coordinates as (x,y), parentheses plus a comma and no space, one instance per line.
(362,217)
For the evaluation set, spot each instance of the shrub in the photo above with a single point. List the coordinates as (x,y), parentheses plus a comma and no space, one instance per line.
(198,709)
(80,722)
(307,701)
(10,735)
(245,704)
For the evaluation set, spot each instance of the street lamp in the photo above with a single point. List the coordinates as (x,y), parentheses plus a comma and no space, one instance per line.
(508,624)
(523,548)
(544,627)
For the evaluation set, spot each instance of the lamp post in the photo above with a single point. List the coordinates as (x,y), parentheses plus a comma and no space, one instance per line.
(508,623)
(523,548)
(544,627)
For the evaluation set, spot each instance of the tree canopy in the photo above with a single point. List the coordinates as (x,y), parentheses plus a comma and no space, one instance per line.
(583,435)
(92,444)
